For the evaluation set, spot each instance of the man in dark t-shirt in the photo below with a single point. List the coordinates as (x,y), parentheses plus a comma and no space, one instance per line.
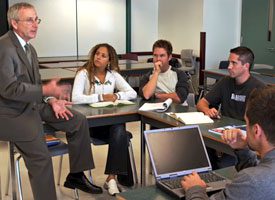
(231,94)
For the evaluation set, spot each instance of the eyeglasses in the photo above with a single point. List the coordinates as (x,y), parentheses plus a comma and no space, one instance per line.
(31,21)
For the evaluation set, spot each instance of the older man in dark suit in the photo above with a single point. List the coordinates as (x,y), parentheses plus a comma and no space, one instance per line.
(22,109)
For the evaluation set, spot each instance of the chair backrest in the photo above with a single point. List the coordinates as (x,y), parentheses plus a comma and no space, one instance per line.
(174,62)
(129,56)
(224,64)
(149,60)
(191,99)
(187,58)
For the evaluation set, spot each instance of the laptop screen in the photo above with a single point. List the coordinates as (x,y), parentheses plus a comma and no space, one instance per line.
(179,150)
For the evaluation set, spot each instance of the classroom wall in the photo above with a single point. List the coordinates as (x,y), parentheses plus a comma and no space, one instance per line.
(56,33)
(101,21)
(98,21)
(180,21)
(222,24)
(144,24)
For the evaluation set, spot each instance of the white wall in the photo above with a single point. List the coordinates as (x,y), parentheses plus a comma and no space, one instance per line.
(56,33)
(144,24)
(101,21)
(180,21)
(222,24)
(98,21)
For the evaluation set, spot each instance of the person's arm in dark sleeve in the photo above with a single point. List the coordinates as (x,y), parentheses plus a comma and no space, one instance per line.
(182,87)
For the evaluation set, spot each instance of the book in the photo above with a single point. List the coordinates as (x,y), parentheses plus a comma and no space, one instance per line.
(159,107)
(111,103)
(51,140)
(191,117)
(220,130)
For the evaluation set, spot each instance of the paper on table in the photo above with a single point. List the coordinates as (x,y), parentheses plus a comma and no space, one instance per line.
(110,103)
(220,130)
(159,107)
(191,117)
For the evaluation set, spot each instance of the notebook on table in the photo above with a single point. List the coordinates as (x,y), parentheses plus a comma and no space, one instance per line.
(176,152)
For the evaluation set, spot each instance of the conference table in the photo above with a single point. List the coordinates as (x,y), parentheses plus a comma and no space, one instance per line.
(67,70)
(48,74)
(62,59)
(109,115)
(130,113)
(75,64)
(267,76)
(162,120)
(153,193)
(128,69)
(69,64)
(265,71)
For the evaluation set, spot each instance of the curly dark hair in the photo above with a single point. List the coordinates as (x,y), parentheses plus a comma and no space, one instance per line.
(90,66)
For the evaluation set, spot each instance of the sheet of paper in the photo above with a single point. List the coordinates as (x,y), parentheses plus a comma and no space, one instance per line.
(159,107)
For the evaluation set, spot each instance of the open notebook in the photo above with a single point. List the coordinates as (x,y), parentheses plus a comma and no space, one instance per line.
(111,104)
(191,117)
(175,152)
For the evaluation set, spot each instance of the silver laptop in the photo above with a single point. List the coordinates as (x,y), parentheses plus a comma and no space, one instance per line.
(176,152)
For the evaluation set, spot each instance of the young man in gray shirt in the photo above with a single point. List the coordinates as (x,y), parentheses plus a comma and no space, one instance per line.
(164,81)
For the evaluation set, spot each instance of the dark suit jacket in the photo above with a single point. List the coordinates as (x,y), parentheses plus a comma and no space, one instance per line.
(20,91)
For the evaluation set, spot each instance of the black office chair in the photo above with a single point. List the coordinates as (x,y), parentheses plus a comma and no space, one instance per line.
(59,149)
(149,60)
(174,62)
(223,65)
(97,142)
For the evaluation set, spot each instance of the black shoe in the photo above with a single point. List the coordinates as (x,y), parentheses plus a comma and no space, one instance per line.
(125,180)
(82,183)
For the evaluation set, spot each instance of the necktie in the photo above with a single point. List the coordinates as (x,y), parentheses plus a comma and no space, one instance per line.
(28,53)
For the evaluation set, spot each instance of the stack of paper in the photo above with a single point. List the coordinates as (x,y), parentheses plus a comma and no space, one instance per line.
(51,140)
(159,107)
(111,104)
(220,130)
(191,117)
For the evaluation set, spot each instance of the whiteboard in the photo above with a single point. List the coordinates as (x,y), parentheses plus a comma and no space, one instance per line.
(101,21)
(67,24)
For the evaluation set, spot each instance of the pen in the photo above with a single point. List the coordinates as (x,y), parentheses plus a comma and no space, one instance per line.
(219,112)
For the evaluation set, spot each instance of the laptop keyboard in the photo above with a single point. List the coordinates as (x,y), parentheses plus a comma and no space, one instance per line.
(207,177)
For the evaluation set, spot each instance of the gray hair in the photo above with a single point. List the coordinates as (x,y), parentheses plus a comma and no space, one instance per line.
(14,10)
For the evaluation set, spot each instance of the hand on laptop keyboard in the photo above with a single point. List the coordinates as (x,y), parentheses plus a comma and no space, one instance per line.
(186,182)
(192,180)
